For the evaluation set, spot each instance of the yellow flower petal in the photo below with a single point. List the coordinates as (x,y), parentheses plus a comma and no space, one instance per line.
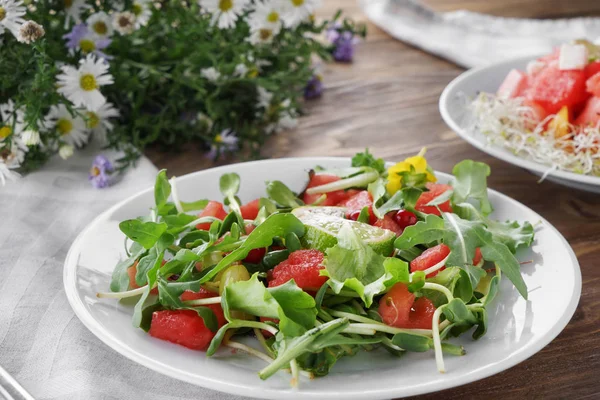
(419,163)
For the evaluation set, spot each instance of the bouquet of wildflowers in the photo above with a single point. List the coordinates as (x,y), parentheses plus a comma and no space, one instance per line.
(130,73)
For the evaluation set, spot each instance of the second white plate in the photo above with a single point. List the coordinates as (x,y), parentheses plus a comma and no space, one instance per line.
(488,79)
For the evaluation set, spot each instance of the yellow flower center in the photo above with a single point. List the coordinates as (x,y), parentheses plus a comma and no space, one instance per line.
(95,171)
(137,9)
(87,45)
(92,119)
(68,3)
(100,28)
(273,16)
(88,82)
(64,126)
(225,5)
(218,139)
(5,131)
(253,73)
(297,3)
(265,34)
(2,13)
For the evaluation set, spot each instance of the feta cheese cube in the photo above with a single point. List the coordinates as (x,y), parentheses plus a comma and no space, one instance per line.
(572,56)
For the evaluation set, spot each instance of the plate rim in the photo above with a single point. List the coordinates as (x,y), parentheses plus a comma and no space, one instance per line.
(496,151)
(69,284)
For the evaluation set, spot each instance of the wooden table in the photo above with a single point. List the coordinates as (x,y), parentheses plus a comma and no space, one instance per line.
(387,100)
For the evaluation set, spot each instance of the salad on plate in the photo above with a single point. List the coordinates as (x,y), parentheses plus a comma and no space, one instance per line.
(549,113)
(366,258)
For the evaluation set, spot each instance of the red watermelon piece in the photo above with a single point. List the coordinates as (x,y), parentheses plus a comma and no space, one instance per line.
(429,258)
(398,308)
(332,198)
(356,203)
(514,85)
(553,89)
(212,209)
(590,114)
(250,210)
(303,266)
(435,190)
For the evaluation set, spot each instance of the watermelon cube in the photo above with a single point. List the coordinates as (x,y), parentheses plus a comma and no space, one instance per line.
(592,69)
(553,89)
(590,114)
(572,56)
(535,67)
(514,85)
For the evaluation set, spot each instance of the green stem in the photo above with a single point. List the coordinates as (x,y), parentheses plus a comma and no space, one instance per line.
(439,288)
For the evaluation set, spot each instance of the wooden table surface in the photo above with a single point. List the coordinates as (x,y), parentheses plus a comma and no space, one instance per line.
(387,100)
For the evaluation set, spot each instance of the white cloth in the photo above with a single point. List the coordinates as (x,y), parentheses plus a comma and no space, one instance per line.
(42,344)
(471,39)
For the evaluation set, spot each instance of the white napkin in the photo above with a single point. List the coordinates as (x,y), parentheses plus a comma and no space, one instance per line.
(42,344)
(471,39)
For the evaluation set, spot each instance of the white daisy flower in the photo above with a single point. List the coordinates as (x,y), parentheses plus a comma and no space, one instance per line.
(267,15)
(204,119)
(81,85)
(142,11)
(240,70)
(12,155)
(11,13)
(224,12)
(210,73)
(100,25)
(30,31)
(264,97)
(74,9)
(287,118)
(72,129)
(65,151)
(98,122)
(124,22)
(12,120)
(298,11)
(31,137)
(261,36)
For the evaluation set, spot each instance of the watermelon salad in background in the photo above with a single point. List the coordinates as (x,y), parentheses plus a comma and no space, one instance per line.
(366,258)
(550,112)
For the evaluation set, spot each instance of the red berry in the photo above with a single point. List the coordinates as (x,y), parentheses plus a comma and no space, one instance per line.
(405,218)
(255,255)
(356,203)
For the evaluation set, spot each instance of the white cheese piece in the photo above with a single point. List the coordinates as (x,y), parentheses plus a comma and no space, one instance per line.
(572,56)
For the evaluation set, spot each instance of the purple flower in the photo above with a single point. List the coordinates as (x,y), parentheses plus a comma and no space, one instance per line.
(83,39)
(343,43)
(226,141)
(100,173)
(314,87)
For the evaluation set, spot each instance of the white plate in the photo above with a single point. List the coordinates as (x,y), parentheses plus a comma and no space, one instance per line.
(517,328)
(488,79)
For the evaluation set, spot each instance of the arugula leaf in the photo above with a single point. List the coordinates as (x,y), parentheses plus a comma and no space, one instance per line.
(367,159)
(276,225)
(120,278)
(427,231)
(282,195)
(512,234)
(353,264)
(461,236)
(470,182)
(403,199)
(162,189)
(145,233)
(178,220)
(501,255)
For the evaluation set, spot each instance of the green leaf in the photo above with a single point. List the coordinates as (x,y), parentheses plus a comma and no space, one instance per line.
(492,290)
(151,277)
(120,278)
(397,271)
(277,225)
(351,263)
(229,184)
(462,237)
(282,195)
(273,258)
(457,312)
(192,237)
(193,206)
(366,159)
(292,242)
(470,182)
(178,220)
(412,342)
(512,234)
(417,281)
(144,233)
(430,230)
(294,308)
(378,191)
(501,255)
(162,189)
(481,323)
(364,215)
(145,264)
